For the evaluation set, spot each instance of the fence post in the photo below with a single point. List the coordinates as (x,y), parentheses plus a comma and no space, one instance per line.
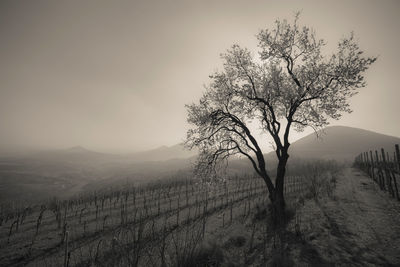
(66,256)
(387,174)
(368,164)
(398,157)
(372,166)
(395,183)
(398,166)
(387,159)
(378,165)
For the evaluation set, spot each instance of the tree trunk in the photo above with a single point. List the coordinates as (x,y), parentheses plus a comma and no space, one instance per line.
(278,200)
(276,191)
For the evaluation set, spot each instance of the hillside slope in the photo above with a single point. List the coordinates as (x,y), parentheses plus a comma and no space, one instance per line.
(341,143)
(163,153)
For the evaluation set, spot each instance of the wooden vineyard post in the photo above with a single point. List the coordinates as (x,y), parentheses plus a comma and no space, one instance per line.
(398,157)
(367,170)
(382,173)
(365,162)
(390,166)
(397,160)
(387,160)
(372,165)
(387,173)
(395,183)
(378,165)
(66,256)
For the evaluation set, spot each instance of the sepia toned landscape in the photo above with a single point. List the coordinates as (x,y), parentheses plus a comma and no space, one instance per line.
(199,133)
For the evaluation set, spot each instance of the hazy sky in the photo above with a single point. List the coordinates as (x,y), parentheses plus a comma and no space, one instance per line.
(115,75)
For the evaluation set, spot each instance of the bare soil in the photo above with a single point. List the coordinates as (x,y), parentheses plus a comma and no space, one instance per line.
(358,226)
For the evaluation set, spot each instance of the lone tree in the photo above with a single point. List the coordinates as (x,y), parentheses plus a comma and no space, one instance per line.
(291,85)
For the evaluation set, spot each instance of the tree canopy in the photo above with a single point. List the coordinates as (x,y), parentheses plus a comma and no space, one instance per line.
(291,84)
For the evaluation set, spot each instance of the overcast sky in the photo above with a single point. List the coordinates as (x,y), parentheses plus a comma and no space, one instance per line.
(115,75)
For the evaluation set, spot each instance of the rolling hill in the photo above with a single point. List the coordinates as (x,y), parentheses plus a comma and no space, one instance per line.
(163,153)
(341,143)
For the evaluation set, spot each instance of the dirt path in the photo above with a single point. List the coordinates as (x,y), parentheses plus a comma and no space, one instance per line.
(360,226)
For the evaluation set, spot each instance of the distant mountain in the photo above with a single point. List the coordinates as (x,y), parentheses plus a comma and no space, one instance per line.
(74,154)
(341,143)
(163,153)
(79,156)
